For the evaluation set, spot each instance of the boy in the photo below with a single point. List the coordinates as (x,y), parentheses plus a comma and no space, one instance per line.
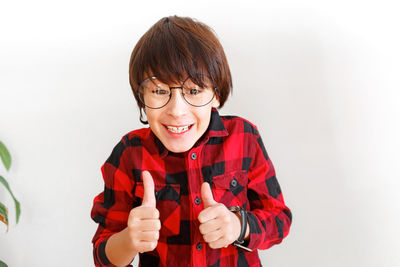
(196,188)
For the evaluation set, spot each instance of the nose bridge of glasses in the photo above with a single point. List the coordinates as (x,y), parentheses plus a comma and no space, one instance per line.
(175,87)
(179,91)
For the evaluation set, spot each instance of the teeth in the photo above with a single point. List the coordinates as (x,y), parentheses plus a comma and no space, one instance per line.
(178,129)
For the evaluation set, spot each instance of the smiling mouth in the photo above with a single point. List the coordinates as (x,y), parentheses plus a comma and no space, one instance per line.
(180,129)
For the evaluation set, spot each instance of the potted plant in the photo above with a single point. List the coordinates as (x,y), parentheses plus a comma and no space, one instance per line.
(6,159)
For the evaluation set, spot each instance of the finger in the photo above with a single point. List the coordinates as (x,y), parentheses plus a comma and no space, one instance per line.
(146,225)
(208,215)
(222,242)
(149,236)
(149,198)
(207,196)
(150,225)
(209,226)
(145,246)
(144,212)
(213,236)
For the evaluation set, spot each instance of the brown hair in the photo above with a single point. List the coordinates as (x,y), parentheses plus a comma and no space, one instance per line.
(176,48)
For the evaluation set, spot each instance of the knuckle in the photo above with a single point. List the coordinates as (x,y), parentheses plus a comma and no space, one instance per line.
(156,235)
(153,214)
(153,236)
(132,233)
(132,226)
(156,214)
(158,225)
(201,229)
(226,219)
(220,206)
(151,246)
(136,245)
(132,214)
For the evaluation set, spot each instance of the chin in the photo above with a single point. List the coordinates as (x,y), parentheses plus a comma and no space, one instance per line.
(179,148)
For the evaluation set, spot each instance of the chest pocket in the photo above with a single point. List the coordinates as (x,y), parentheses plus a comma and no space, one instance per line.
(169,206)
(231,188)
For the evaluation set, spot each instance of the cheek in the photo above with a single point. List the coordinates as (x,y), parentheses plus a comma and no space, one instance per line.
(152,117)
(203,119)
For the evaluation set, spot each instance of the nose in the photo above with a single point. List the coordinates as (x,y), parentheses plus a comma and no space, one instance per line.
(177,106)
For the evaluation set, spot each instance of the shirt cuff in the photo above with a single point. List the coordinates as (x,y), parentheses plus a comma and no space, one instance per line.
(102,253)
(100,256)
(255,233)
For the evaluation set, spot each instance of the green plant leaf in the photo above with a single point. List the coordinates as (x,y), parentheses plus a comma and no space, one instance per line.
(17,205)
(2,264)
(4,214)
(5,156)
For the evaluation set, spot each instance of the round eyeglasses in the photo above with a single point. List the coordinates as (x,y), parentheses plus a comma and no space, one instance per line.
(155,94)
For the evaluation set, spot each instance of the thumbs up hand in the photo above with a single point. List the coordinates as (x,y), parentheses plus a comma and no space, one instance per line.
(143,221)
(219,226)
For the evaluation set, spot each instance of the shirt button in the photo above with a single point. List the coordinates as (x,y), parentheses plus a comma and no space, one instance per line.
(193,156)
(197,201)
(234,183)
(199,246)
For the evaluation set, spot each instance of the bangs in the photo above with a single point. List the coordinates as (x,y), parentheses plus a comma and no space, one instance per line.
(172,54)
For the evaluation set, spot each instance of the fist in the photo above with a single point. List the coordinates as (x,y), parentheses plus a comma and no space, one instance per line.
(219,226)
(143,221)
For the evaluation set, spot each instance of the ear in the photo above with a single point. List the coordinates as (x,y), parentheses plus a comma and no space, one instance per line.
(215,103)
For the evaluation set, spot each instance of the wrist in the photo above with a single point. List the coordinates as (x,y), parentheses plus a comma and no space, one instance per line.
(119,250)
(242,214)
(238,225)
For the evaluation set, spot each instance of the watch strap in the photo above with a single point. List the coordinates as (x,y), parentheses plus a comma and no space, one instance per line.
(243,221)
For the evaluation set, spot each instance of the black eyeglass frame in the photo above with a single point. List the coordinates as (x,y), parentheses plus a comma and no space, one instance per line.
(170,94)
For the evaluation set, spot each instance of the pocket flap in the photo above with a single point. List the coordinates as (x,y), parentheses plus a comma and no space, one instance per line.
(230,180)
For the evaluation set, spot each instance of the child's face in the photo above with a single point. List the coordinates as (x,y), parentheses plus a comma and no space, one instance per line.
(179,125)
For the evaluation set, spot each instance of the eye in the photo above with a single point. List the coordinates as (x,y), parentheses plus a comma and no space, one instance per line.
(193,91)
(160,92)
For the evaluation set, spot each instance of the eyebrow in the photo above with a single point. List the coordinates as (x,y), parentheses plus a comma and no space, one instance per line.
(206,81)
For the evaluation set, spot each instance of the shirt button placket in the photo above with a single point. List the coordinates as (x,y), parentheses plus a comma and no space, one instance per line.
(194,163)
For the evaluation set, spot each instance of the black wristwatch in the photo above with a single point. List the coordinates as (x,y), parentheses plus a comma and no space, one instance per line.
(243,221)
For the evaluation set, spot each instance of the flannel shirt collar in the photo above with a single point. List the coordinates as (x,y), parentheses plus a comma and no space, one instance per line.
(216,128)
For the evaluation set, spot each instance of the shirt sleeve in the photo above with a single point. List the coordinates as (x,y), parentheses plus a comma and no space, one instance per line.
(269,218)
(111,207)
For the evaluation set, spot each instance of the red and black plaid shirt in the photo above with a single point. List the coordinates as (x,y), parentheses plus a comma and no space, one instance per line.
(230,156)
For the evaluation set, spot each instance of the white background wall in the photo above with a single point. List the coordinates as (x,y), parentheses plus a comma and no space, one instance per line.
(319,78)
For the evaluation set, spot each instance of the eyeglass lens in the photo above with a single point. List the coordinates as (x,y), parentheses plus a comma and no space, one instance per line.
(155,94)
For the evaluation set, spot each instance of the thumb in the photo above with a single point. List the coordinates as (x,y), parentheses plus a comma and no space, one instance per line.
(207,196)
(149,198)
